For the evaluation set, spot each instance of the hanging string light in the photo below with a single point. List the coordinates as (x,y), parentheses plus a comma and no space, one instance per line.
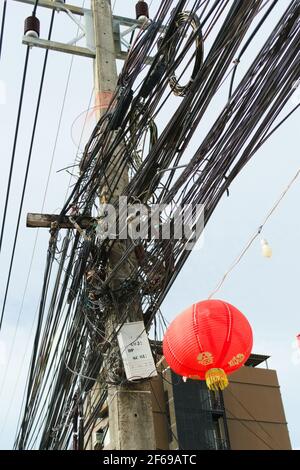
(265,248)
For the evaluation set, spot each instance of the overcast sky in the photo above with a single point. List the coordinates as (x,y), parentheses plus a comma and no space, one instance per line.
(266,290)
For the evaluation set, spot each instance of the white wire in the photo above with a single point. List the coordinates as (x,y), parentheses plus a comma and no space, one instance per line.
(250,242)
(255,235)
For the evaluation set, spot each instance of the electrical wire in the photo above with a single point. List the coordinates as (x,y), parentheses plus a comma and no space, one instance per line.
(35,7)
(229,390)
(35,244)
(89,283)
(239,420)
(255,235)
(59,125)
(2,25)
(27,170)
(54,149)
(249,429)
(247,44)
(14,148)
(164,414)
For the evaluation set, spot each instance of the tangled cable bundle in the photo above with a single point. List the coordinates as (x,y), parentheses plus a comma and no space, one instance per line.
(185,18)
(73,350)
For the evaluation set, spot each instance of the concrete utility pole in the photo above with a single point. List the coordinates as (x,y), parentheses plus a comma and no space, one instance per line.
(129,406)
(131,424)
(105,67)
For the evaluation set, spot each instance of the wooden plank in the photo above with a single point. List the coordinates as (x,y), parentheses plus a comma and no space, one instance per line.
(58,46)
(46,220)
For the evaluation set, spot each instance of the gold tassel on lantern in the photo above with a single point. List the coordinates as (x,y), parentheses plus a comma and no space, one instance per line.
(216,379)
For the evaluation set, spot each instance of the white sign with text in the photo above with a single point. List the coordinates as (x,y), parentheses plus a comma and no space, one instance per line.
(135,351)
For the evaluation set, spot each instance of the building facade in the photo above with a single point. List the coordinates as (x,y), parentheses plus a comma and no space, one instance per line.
(248,415)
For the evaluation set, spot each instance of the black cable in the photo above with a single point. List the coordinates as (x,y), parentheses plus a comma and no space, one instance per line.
(27,169)
(35,7)
(242,124)
(36,341)
(247,44)
(181,20)
(249,429)
(14,145)
(229,390)
(2,25)
(165,415)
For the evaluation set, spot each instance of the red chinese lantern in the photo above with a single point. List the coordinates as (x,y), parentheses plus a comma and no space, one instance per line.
(207,341)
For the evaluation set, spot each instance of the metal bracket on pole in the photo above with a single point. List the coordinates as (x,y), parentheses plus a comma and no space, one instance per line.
(86,31)
(58,47)
(55,5)
(128,31)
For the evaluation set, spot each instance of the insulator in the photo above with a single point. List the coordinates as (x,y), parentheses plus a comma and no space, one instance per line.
(32,27)
(142,11)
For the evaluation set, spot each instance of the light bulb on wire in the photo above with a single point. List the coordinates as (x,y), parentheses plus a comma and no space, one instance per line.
(265,248)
